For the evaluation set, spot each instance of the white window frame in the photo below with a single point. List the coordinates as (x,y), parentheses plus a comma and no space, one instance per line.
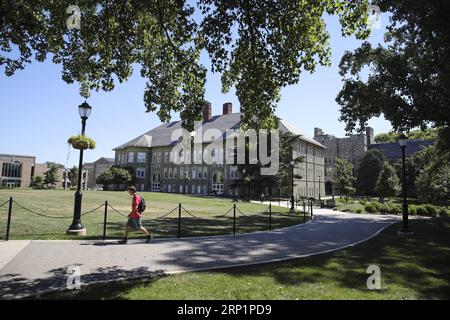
(131,155)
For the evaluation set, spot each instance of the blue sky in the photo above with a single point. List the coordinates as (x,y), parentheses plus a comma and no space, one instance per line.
(38,111)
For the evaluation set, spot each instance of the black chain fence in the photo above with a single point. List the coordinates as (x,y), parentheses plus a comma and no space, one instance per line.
(183,223)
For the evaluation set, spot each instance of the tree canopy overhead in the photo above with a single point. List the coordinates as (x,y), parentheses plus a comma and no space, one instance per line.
(409,78)
(258,46)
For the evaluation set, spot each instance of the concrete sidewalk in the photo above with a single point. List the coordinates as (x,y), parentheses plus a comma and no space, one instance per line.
(32,267)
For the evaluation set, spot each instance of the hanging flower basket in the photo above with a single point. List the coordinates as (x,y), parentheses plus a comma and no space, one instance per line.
(81,142)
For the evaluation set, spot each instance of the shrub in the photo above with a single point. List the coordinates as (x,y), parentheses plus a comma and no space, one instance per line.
(358,210)
(384,208)
(421,211)
(370,208)
(431,210)
(377,206)
(412,209)
(395,209)
(444,213)
(363,202)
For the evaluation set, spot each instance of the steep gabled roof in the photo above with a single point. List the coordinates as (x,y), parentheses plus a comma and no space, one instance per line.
(161,136)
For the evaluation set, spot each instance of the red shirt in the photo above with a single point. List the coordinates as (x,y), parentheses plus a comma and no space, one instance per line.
(134,206)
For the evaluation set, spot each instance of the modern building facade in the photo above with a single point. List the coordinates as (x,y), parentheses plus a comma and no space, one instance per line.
(351,148)
(152,156)
(16,170)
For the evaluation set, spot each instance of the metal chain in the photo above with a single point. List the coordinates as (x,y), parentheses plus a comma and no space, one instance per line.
(37,213)
(4,203)
(166,214)
(123,215)
(240,212)
(93,209)
(221,216)
(189,213)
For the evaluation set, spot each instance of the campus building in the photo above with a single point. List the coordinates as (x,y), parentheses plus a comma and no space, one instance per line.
(392,150)
(17,170)
(152,154)
(351,148)
(92,170)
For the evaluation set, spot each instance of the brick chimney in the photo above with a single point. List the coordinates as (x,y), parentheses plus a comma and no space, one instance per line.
(227,108)
(207,110)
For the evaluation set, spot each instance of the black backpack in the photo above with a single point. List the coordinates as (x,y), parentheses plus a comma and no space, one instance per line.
(142,206)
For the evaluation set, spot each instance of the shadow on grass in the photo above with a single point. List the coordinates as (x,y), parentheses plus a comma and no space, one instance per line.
(211,226)
(13,286)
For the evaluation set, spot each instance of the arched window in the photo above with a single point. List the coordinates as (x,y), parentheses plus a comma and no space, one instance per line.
(156,181)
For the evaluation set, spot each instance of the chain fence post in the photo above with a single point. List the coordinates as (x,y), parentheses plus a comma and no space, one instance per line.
(9,218)
(104,221)
(270,216)
(179,220)
(234,219)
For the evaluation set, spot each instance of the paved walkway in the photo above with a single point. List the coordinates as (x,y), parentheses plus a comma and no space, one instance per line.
(30,267)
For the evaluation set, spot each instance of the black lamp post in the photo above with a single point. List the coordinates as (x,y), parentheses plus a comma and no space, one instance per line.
(76,228)
(292,187)
(319,188)
(403,141)
(243,185)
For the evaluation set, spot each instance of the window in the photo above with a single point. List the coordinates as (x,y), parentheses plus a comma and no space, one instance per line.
(141,157)
(199,189)
(199,173)
(156,182)
(140,173)
(130,157)
(205,173)
(175,172)
(12,170)
(194,172)
(194,188)
(234,174)
(165,173)
(170,173)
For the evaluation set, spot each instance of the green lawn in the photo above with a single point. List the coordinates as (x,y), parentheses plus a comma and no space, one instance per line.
(59,203)
(411,268)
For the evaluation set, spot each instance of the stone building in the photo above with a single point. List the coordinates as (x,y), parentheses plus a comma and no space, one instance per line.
(91,171)
(351,148)
(152,154)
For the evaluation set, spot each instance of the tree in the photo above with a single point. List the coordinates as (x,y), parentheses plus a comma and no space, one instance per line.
(37,182)
(51,178)
(115,176)
(73,176)
(409,79)
(433,183)
(343,179)
(429,134)
(259,47)
(388,184)
(369,169)
(283,178)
